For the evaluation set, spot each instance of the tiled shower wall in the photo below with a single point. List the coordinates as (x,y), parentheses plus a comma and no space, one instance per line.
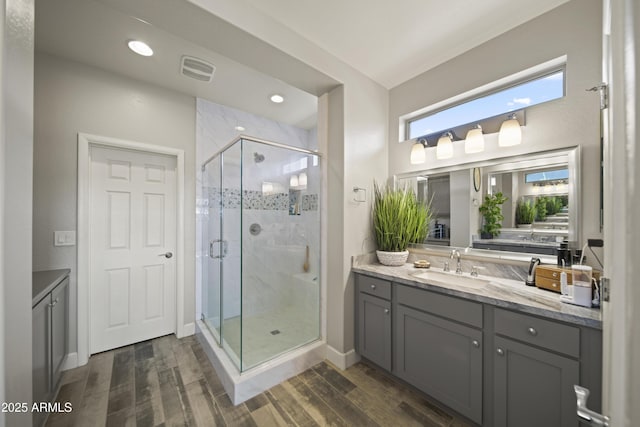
(277,253)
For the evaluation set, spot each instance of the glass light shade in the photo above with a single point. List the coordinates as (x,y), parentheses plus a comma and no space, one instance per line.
(444,149)
(293,181)
(474,143)
(510,133)
(302,179)
(267,188)
(418,154)
(139,47)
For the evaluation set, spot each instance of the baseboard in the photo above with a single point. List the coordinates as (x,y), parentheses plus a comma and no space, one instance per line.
(71,361)
(342,360)
(187,330)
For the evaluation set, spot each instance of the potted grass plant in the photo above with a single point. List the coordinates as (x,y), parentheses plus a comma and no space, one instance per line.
(525,214)
(399,219)
(491,210)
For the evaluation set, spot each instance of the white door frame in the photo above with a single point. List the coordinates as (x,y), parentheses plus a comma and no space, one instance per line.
(85,141)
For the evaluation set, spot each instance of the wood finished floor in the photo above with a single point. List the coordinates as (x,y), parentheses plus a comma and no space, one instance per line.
(170,382)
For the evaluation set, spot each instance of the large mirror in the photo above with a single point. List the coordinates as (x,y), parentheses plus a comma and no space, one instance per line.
(541,209)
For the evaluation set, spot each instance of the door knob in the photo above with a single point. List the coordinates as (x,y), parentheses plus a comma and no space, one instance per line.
(166,254)
(586,414)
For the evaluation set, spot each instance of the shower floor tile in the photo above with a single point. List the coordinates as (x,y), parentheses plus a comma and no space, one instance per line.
(267,335)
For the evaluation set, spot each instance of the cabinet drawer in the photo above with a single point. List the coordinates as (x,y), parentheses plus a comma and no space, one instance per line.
(546,283)
(374,286)
(453,308)
(543,333)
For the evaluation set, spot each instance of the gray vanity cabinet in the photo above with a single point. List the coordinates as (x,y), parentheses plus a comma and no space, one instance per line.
(533,387)
(496,366)
(536,364)
(440,355)
(49,340)
(374,320)
(40,341)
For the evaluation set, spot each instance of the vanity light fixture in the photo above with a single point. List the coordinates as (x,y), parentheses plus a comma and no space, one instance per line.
(444,149)
(277,99)
(293,181)
(510,132)
(419,152)
(302,179)
(140,47)
(474,143)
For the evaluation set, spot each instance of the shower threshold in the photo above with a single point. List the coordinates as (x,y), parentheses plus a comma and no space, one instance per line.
(243,386)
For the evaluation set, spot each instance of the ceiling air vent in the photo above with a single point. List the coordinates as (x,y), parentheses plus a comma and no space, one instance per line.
(197,69)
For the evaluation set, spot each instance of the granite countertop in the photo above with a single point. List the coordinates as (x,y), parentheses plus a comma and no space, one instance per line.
(505,293)
(43,282)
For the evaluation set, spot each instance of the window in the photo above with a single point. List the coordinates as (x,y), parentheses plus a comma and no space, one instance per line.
(551,175)
(542,88)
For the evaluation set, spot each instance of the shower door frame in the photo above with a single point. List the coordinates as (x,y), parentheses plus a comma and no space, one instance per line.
(220,154)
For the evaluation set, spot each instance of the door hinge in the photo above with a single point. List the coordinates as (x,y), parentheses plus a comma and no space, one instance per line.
(603,89)
(604,288)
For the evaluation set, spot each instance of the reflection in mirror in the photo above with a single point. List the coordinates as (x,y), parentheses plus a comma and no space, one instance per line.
(541,210)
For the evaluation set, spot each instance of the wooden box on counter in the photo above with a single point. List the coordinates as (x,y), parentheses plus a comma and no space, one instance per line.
(548,277)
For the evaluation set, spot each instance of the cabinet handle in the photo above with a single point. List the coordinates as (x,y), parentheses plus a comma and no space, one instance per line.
(373,287)
(475,343)
(53,304)
(500,352)
(532,332)
(555,275)
(386,311)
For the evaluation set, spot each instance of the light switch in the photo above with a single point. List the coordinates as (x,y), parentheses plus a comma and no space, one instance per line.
(64,238)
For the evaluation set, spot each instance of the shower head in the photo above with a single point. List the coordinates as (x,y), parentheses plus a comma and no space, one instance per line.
(258,158)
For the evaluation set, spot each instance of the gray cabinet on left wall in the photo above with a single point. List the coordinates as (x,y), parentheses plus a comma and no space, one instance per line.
(50,337)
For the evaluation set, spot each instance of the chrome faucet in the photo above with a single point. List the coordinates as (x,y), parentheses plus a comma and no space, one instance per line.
(455,253)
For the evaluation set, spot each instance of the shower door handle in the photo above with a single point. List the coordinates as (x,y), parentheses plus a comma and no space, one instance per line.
(225,248)
(211,245)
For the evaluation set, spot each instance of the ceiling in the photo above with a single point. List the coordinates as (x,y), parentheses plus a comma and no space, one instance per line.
(394,41)
(389,41)
(96,34)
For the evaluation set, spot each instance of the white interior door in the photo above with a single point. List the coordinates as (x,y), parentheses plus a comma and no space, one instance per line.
(133,240)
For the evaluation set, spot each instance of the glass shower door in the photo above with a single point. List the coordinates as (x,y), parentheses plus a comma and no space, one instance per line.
(211,274)
(231,253)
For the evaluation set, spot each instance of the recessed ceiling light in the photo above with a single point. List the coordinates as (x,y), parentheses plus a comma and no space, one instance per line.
(239,128)
(141,48)
(278,99)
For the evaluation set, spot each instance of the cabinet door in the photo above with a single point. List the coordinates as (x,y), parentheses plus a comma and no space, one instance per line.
(374,329)
(41,355)
(441,358)
(59,307)
(533,387)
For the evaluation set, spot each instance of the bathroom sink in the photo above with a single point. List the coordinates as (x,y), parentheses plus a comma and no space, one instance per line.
(452,279)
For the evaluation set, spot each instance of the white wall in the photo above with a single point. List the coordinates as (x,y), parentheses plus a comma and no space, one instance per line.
(573,29)
(16,133)
(70,98)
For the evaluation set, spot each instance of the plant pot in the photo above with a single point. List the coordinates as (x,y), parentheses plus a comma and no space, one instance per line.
(523,226)
(392,258)
(486,236)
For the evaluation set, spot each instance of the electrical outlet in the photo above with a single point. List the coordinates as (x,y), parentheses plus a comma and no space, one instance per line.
(64,238)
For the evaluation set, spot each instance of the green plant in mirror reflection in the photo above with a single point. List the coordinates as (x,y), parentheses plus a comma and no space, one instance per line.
(491,210)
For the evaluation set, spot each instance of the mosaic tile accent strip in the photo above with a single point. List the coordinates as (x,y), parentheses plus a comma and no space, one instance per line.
(255,200)
(310,202)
